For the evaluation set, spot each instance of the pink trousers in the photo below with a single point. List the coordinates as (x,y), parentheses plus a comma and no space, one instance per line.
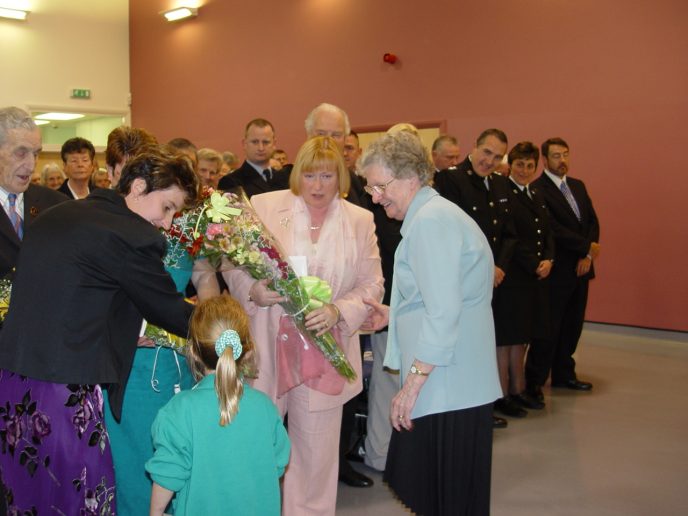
(310,482)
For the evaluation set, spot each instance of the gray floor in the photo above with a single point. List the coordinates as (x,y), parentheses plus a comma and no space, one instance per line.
(620,450)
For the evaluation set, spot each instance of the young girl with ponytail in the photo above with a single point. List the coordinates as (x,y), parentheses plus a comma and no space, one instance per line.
(221,446)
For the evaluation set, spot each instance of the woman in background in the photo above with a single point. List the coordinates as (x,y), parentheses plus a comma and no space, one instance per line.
(52,176)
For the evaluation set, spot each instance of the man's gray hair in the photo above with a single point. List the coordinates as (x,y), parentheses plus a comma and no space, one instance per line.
(403,154)
(210,155)
(446,138)
(326,108)
(14,118)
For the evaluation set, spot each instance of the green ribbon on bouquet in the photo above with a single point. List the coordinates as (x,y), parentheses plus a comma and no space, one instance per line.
(165,338)
(319,291)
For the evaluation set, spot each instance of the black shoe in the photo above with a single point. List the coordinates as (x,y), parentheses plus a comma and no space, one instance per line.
(354,456)
(525,400)
(509,408)
(535,392)
(499,422)
(353,478)
(574,385)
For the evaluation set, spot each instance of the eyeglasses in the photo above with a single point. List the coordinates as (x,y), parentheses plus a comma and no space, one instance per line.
(378,189)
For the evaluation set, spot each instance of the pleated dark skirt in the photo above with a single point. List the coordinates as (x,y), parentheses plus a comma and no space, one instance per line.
(54,450)
(442,467)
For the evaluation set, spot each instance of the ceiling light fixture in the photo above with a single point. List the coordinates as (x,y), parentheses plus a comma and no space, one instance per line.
(180,13)
(41,122)
(14,14)
(59,116)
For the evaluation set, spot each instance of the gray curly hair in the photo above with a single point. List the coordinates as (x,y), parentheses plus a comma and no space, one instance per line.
(403,154)
(14,118)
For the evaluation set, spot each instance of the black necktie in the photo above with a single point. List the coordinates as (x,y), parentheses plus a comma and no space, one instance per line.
(267,175)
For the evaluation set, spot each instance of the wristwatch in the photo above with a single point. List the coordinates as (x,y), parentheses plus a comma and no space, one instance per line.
(415,370)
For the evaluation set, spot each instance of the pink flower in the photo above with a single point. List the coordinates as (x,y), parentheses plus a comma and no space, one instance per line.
(213,230)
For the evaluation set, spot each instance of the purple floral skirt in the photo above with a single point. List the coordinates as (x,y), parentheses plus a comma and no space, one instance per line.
(54,449)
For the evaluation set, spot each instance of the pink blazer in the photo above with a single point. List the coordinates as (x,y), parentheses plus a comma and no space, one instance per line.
(274,208)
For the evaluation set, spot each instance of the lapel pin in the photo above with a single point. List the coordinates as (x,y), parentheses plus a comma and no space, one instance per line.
(33,211)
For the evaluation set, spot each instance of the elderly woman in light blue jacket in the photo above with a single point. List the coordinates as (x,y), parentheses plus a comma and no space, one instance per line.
(441,337)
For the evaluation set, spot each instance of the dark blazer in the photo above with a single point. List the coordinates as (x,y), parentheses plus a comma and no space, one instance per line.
(489,208)
(37,199)
(572,237)
(356,193)
(535,238)
(64,188)
(88,273)
(247,178)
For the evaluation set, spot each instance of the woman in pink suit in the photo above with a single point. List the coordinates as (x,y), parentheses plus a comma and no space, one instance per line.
(324,236)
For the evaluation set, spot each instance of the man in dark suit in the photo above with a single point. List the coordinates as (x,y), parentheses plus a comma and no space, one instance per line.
(352,151)
(255,175)
(20,143)
(485,196)
(576,234)
(445,152)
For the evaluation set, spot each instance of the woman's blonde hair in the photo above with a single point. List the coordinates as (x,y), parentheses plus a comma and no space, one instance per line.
(317,154)
(210,318)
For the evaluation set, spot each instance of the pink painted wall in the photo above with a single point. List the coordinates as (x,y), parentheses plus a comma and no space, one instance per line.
(609,76)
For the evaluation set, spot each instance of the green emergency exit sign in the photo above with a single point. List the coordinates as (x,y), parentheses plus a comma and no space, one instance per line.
(81,94)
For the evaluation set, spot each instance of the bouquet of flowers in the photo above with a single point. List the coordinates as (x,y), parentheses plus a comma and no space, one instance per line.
(226,226)
(5,291)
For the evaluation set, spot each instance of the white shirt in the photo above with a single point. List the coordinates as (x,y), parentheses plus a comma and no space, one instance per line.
(19,204)
(557,180)
(259,170)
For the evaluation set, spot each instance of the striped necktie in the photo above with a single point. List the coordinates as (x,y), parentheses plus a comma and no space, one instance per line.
(15,219)
(569,197)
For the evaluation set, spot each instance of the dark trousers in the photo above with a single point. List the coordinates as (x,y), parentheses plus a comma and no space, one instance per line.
(555,353)
(348,425)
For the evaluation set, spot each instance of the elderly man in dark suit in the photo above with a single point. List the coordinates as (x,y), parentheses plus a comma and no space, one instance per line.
(22,202)
(255,175)
(576,234)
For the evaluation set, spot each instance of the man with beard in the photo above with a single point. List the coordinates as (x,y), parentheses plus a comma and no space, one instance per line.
(576,235)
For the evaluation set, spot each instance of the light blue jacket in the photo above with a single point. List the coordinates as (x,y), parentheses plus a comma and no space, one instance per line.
(440,306)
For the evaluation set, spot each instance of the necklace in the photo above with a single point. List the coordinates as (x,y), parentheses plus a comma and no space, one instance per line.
(315,228)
